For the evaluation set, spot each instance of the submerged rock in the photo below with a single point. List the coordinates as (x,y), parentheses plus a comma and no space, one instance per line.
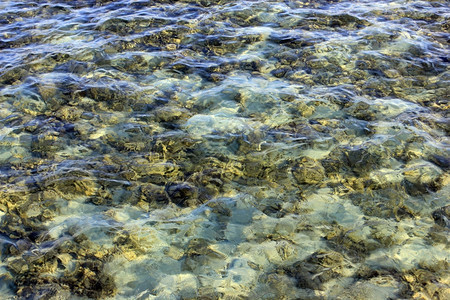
(421,176)
(376,288)
(171,114)
(358,243)
(319,268)
(90,280)
(363,159)
(308,171)
(44,291)
(73,182)
(428,281)
(183,194)
(387,203)
(13,75)
(442,216)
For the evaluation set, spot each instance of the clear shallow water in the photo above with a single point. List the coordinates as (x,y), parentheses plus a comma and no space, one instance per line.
(224,149)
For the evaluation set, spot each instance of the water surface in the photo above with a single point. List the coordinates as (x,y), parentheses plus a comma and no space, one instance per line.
(224,149)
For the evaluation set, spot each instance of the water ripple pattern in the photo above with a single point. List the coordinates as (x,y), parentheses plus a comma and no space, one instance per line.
(211,149)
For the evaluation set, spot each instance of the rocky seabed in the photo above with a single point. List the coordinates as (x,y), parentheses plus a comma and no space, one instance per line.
(209,149)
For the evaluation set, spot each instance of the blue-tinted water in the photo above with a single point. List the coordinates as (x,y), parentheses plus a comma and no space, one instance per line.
(224,149)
